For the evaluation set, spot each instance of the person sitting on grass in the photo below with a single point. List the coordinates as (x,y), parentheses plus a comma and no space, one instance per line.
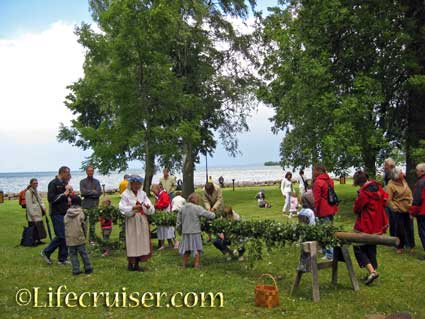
(189,226)
(261,198)
(106,226)
(163,204)
(222,243)
(306,214)
(371,219)
(75,236)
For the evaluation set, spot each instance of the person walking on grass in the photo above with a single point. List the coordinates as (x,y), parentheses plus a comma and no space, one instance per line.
(323,210)
(189,226)
(286,190)
(35,212)
(59,191)
(418,206)
(75,235)
(163,204)
(399,201)
(369,208)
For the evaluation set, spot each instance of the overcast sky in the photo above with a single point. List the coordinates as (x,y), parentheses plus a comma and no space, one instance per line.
(39,57)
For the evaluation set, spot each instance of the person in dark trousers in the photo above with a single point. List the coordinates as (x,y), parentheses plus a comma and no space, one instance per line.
(58,193)
(389,165)
(90,191)
(371,219)
(418,206)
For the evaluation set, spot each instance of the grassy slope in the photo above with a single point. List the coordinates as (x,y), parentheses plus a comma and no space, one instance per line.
(401,287)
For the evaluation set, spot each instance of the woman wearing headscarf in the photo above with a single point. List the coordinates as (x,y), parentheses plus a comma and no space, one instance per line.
(35,211)
(135,206)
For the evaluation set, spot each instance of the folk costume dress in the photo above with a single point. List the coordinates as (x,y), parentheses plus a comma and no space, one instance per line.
(137,232)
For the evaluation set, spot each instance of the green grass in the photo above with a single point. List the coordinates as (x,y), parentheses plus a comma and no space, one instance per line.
(400,288)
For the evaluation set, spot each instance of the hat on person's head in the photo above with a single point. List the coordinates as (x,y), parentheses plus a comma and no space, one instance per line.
(135,179)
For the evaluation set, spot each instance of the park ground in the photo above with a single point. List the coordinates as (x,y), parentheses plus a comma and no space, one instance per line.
(401,286)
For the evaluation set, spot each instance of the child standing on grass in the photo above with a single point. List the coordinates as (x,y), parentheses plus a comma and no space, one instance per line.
(106,226)
(75,236)
(189,225)
(294,205)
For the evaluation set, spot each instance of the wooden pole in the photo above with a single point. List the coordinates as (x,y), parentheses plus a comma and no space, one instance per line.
(362,238)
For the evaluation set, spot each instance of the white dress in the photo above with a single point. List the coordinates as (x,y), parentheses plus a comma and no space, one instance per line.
(137,233)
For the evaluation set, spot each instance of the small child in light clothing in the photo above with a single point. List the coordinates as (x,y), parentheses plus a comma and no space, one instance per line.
(178,202)
(294,205)
(189,225)
(306,214)
(75,236)
(106,226)
(261,198)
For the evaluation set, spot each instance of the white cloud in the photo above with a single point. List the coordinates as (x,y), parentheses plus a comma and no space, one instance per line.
(34,72)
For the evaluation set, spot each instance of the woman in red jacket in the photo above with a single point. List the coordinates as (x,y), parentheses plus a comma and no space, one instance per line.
(371,219)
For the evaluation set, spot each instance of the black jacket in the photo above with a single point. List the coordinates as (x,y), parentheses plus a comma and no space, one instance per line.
(57,199)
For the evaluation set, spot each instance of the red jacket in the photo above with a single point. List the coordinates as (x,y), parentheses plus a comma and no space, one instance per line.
(370,209)
(418,205)
(162,201)
(320,193)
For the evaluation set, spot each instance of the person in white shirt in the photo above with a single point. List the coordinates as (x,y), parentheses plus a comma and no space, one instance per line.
(178,202)
(286,189)
(303,183)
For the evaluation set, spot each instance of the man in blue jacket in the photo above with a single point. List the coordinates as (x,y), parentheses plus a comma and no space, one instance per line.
(58,192)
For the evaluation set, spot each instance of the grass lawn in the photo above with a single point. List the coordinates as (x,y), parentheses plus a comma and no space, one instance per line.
(401,286)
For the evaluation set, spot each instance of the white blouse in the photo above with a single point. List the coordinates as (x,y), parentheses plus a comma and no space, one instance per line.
(129,200)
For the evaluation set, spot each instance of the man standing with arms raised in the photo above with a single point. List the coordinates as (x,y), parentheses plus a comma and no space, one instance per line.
(58,192)
(90,191)
(168,182)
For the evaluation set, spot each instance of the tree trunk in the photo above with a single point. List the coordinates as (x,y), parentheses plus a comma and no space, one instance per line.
(149,167)
(369,159)
(188,169)
(415,131)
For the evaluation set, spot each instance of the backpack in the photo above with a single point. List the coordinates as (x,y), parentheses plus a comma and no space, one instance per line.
(21,198)
(27,237)
(332,196)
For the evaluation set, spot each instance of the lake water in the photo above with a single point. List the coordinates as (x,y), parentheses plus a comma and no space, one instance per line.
(15,182)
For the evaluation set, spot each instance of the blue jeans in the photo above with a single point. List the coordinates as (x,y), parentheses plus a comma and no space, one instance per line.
(73,253)
(329,252)
(421,228)
(59,240)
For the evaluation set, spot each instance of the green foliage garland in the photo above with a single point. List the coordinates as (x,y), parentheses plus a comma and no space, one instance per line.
(255,234)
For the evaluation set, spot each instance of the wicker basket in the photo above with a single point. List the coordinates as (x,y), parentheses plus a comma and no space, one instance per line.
(266,295)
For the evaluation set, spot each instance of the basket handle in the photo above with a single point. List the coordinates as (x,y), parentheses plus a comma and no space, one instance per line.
(270,276)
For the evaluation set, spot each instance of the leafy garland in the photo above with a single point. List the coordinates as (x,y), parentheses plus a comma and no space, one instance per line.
(255,234)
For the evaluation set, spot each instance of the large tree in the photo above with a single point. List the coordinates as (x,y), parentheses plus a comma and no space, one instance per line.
(334,71)
(161,79)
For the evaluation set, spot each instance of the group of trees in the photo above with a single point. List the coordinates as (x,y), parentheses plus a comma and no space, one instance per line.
(163,79)
(347,80)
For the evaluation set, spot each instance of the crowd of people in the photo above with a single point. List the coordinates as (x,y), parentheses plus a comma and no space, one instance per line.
(377,207)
